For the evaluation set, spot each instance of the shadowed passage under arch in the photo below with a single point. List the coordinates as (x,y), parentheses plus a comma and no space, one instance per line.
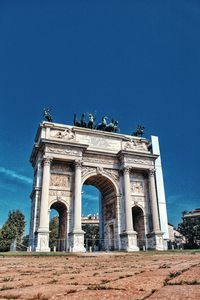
(61,241)
(107,210)
(138,225)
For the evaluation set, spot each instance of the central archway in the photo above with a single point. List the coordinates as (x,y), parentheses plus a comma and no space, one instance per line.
(107,210)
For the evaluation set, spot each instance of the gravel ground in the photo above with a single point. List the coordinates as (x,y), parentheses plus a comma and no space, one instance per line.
(151,275)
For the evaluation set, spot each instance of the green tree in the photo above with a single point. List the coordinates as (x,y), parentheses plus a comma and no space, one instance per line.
(12,230)
(190,228)
(91,236)
(53,236)
(25,240)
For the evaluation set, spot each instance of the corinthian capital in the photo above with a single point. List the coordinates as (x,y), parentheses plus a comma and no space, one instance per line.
(152,172)
(78,164)
(126,170)
(47,161)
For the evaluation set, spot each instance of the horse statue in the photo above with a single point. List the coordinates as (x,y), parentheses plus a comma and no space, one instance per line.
(76,122)
(102,125)
(91,121)
(139,131)
(47,116)
(116,127)
(83,123)
(110,126)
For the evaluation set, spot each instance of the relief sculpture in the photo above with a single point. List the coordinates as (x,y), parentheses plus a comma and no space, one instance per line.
(135,145)
(59,180)
(109,211)
(137,187)
(66,134)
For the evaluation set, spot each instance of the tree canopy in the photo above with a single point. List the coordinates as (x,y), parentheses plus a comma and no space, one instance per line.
(12,229)
(190,228)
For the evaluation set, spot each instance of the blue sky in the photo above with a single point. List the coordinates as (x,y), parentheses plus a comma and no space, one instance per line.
(138,61)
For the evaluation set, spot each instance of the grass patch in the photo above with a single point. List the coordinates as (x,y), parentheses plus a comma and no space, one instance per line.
(39,296)
(10,297)
(71,291)
(164,266)
(8,278)
(52,281)
(185,282)
(174,274)
(6,287)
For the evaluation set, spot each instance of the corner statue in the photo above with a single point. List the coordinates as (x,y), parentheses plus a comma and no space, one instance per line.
(47,116)
(139,131)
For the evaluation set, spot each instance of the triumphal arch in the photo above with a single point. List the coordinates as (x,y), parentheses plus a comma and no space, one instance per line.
(127,171)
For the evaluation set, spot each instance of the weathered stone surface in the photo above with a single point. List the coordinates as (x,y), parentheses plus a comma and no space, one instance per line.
(121,166)
(101,276)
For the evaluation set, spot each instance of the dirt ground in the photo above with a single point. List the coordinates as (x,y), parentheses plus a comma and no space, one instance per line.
(97,276)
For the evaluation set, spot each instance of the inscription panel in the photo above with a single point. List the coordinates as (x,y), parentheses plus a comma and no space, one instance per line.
(98,142)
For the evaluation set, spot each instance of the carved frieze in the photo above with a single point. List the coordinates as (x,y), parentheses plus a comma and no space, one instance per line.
(59,180)
(113,173)
(139,161)
(135,145)
(99,159)
(87,170)
(137,200)
(63,150)
(60,168)
(54,193)
(66,134)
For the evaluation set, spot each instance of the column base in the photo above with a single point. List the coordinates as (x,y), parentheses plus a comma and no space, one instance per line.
(129,241)
(76,241)
(42,241)
(155,241)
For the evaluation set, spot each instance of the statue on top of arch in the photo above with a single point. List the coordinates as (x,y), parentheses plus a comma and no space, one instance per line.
(91,124)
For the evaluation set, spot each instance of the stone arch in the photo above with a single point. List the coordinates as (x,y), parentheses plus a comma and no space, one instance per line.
(106,176)
(139,224)
(62,209)
(108,216)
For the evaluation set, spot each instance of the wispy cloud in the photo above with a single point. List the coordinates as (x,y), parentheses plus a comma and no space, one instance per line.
(89,197)
(13,174)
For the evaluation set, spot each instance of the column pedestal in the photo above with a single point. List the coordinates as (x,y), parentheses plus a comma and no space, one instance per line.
(42,241)
(129,241)
(76,241)
(155,241)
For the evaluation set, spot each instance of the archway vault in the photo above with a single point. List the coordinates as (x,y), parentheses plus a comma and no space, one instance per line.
(103,183)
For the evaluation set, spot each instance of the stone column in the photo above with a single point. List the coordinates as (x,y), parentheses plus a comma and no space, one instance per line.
(154,205)
(77,234)
(43,230)
(129,237)
(77,196)
(127,200)
(156,237)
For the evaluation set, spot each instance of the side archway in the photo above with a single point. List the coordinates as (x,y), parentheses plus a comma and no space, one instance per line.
(61,239)
(138,225)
